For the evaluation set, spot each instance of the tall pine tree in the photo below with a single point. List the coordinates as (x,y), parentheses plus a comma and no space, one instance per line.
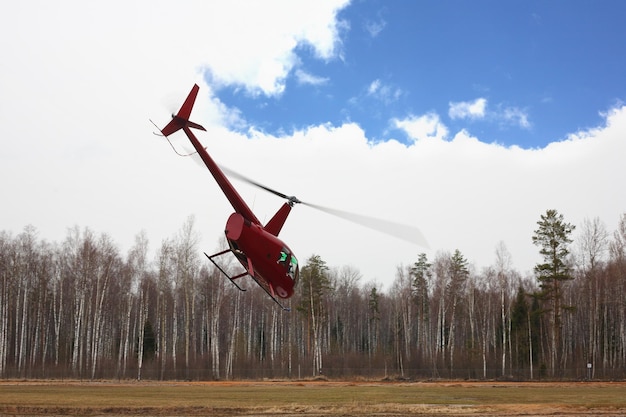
(421,275)
(553,239)
(314,285)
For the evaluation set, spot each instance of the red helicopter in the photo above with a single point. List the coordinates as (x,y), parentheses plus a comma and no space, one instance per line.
(265,257)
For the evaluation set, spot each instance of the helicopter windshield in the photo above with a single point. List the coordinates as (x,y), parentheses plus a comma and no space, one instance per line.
(293,268)
(290,262)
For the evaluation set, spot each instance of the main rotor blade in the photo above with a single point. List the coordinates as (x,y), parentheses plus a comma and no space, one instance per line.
(401,231)
(398,230)
(237,175)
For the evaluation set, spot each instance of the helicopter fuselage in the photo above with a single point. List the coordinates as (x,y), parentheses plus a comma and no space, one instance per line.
(266,258)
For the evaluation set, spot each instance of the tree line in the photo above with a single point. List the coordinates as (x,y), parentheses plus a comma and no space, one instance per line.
(81,309)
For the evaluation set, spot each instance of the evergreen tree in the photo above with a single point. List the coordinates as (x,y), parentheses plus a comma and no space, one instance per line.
(421,274)
(149,342)
(374,319)
(458,272)
(553,239)
(314,284)
(520,314)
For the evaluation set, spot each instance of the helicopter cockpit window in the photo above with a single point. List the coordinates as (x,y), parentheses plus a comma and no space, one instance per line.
(283,257)
(290,263)
(293,268)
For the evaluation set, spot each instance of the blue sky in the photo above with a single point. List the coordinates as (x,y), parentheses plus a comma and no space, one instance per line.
(465,119)
(537,69)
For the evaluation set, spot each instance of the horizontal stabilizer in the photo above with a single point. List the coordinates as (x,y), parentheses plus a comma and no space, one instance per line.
(181,119)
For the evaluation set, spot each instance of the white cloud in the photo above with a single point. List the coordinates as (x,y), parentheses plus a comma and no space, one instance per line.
(373,87)
(468,109)
(304,77)
(477,110)
(422,127)
(258,53)
(515,116)
(373,28)
(383,92)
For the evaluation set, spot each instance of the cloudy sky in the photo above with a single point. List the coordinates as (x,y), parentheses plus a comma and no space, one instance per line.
(465,119)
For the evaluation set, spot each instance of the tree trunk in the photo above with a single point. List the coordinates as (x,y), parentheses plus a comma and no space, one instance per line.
(143,316)
(230,358)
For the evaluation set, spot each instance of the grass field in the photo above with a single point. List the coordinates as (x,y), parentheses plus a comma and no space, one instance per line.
(311,398)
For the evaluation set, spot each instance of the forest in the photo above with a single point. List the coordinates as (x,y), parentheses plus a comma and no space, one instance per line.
(81,309)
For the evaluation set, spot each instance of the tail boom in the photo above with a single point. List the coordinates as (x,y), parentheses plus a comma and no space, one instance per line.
(181,121)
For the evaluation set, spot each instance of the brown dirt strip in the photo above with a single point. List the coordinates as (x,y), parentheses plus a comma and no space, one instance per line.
(311,398)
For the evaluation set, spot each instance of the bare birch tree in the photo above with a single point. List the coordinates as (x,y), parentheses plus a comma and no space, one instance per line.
(617,270)
(187,267)
(6,247)
(503,270)
(592,244)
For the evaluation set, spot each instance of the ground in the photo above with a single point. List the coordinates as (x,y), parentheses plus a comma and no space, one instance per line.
(311,398)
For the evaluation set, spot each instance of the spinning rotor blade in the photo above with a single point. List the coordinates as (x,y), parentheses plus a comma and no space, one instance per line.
(398,230)
(259,185)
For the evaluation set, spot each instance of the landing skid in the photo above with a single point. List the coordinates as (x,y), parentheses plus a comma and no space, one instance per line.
(231,279)
(260,283)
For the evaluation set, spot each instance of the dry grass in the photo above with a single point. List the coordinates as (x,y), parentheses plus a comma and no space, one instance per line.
(311,398)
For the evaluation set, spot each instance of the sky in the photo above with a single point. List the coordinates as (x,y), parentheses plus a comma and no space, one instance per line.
(467,120)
